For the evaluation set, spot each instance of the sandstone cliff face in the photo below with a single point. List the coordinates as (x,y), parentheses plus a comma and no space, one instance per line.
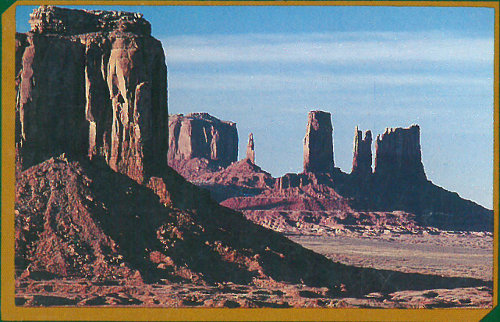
(362,154)
(398,154)
(251,149)
(318,143)
(200,135)
(98,81)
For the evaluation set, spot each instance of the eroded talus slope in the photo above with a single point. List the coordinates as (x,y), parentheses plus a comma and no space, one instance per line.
(82,219)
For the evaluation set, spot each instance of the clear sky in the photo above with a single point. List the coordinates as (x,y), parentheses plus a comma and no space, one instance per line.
(375,67)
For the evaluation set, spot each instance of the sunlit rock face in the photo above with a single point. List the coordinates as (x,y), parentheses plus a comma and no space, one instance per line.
(92,84)
(200,135)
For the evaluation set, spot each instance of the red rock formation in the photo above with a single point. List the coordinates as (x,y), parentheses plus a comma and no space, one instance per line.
(318,143)
(97,80)
(200,135)
(89,219)
(398,154)
(362,154)
(251,149)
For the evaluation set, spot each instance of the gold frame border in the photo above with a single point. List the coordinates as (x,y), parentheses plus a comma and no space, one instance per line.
(11,312)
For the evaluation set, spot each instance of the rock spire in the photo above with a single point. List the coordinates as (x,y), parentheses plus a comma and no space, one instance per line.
(251,149)
(318,143)
(362,153)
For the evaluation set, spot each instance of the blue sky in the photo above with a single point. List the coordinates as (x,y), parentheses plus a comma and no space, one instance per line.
(375,67)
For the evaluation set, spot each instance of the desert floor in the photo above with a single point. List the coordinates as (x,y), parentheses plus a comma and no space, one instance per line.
(450,254)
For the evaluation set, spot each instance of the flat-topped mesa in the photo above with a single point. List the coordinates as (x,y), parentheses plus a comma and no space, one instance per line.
(362,153)
(251,149)
(200,135)
(398,154)
(92,93)
(318,143)
(55,20)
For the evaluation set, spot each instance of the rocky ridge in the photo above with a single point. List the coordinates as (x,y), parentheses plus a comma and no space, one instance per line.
(100,210)
(397,184)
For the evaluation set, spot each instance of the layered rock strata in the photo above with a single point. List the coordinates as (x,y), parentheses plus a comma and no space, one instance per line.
(92,84)
(318,143)
(200,135)
(398,154)
(362,154)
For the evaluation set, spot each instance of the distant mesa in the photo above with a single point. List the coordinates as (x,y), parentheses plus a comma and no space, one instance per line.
(200,135)
(318,143)
(398,154)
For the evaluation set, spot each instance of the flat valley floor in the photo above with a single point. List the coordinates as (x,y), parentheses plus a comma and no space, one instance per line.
(449,254)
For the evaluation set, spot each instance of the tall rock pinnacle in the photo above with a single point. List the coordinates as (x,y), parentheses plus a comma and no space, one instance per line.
(318,143)
(398,154)
(362,153)
(92,84)
(251,149)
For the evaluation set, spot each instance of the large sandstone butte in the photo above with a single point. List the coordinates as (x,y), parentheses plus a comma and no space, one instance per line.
(200,135)
(362,154)
(398,154)
(318,143)
(92,84)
